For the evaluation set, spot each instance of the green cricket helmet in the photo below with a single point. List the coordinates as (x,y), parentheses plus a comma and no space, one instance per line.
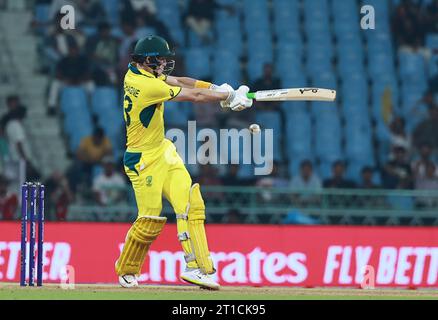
(158,50)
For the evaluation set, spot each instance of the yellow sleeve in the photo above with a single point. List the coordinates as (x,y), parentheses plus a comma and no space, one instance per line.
(157,91)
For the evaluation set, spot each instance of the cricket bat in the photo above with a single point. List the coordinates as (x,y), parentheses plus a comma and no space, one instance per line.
(294,94)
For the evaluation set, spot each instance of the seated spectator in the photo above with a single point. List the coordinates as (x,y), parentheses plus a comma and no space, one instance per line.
(419,166)
(338,181)
(55,46)
(102,49)
(397,173)
(200,15)
(109,187)
(428,182)
(274,180)
(398,135)
(58,195)
(90,153)
(367,179)
(427,131)
(307,180)
(266,82)
(74,69)
(8,201)
(144,14)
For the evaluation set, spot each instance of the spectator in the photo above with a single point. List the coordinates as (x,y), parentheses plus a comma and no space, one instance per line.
(427,131)
(90,153)
(146,17)
(398,135)
(56,6)
(91,12)
(428,182)
(307,179)
(408,26)
(14,106)
(55,46)
(397,173)
(367,179)
(71,70)
(109,187)
(8,200)
(132,8)
(199,17)
(18,142)
(266,82)
(58,195)
(124,60)
(419,166)
(102,49)
(128,38)
(338,181)
(274,180)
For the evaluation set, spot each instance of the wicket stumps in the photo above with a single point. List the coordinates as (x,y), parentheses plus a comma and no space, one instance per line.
(32,211)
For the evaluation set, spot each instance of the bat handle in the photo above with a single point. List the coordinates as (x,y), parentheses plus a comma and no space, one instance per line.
(251,95)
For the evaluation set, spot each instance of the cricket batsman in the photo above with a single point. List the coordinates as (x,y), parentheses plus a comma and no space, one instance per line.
(155,168)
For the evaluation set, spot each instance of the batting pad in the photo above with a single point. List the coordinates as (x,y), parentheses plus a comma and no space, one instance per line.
(196,219)
(138,240)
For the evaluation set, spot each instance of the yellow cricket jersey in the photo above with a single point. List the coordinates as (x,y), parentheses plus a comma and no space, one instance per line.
(144,97)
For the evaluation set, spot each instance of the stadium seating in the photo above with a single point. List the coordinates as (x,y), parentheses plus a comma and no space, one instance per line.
(310,43)
(77,118)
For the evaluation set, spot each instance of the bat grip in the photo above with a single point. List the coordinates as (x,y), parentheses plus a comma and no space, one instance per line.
(251,95)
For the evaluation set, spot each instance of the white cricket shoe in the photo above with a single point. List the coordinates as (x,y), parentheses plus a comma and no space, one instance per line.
(195,276)
(128,281)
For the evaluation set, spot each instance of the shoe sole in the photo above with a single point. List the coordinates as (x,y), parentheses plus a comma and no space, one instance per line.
(200,284)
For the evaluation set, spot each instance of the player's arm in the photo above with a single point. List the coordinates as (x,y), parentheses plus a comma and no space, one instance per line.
(200,95)
(235,100)
(189,83)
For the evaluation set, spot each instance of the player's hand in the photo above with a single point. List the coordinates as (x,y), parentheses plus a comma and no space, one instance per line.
(240,101)
(225,87)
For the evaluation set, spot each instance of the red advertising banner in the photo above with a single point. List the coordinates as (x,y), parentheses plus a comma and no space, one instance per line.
(244,255)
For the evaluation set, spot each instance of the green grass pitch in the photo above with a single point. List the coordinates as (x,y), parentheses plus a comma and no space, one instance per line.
(10,291)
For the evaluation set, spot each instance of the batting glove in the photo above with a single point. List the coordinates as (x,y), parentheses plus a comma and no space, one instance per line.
(240,101)
(224,88)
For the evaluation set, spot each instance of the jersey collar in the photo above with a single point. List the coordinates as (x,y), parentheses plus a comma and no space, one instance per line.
(135,70)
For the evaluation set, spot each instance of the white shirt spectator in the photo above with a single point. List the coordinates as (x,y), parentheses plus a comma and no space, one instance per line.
(110,188)
(314,183)
(15,134)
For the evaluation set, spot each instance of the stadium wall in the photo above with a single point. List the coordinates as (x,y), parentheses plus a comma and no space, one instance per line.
(255,255)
